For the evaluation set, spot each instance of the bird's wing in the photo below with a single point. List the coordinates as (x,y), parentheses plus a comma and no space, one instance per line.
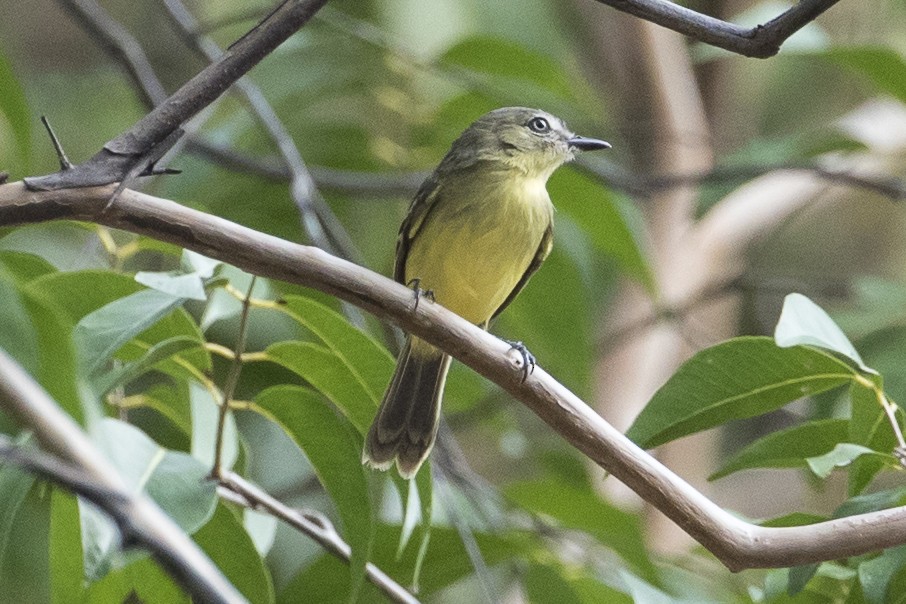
(544,248)
(422,204)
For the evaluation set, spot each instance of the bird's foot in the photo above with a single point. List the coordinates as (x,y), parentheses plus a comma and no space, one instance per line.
(420,293)
(528,359)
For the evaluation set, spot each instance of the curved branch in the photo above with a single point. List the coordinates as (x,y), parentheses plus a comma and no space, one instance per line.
(761,41)
(139,518)
(738,544)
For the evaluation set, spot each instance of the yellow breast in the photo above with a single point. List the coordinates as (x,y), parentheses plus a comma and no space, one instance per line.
(479,239)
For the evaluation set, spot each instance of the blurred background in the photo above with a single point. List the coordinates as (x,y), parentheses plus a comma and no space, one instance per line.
(731,183)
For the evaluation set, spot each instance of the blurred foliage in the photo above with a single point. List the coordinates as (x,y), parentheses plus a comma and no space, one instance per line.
(127,333)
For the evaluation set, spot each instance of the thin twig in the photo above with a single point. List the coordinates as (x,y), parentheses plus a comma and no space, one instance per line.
(761,41)
(315,525)
(65,164)
(232,379)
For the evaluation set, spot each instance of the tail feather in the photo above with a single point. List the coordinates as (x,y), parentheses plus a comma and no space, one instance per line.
(405,426)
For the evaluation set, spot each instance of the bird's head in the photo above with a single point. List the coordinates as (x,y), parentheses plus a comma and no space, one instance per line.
(530,141)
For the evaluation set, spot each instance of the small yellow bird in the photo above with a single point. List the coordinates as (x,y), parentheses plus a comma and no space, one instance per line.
(478,228)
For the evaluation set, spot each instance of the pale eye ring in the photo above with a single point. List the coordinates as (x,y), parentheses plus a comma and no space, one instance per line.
(539,125)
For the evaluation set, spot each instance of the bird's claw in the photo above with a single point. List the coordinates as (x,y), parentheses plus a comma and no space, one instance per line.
(415,284)
(528,359)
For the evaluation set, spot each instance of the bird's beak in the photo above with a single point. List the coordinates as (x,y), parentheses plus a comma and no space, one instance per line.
(587,144)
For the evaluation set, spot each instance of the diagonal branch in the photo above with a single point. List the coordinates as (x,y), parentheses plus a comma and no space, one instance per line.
(85,471)
(738,544)
(240,491)
(761,41)
(146,139)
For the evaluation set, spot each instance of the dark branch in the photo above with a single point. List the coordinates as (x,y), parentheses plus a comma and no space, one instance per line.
(760,42)
(145,138)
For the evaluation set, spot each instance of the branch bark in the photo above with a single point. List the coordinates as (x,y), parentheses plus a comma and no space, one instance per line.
(738,544)
(761,41)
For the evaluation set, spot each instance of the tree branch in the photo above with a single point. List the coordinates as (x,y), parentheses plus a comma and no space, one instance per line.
(761,41)
(318,528)
(86,472)
(736,543)
(148,138)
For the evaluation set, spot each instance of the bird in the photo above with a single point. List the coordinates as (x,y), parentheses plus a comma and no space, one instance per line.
(477,229)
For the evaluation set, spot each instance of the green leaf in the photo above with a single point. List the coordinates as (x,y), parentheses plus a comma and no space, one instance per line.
(787,448)
(544,585)
(23,266)
(883,66)
(875,574)
(37,335)
(14,107)
(327,579)
(17,337)
(25,575)
(329,375)
(869,426)
(229,546)
(842,455)
(205,416)
(141,579)
(506,59)
(67,246)
(101,333)
(802,322)
(177,284)
(367,360)
(583,510)
(880,500)
(67,570)
(333,447)
(606,218)
(133,369)
(740,378)
(176,481)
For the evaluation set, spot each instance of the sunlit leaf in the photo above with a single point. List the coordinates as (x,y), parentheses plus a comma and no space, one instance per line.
(842,455)
(802,322)
(333,447)
(787,448)
(180,285)
(742,377)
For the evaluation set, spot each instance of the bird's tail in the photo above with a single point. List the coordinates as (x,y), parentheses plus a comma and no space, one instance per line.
(405,426)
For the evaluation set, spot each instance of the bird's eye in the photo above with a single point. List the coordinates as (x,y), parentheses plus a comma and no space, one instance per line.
(539,125)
